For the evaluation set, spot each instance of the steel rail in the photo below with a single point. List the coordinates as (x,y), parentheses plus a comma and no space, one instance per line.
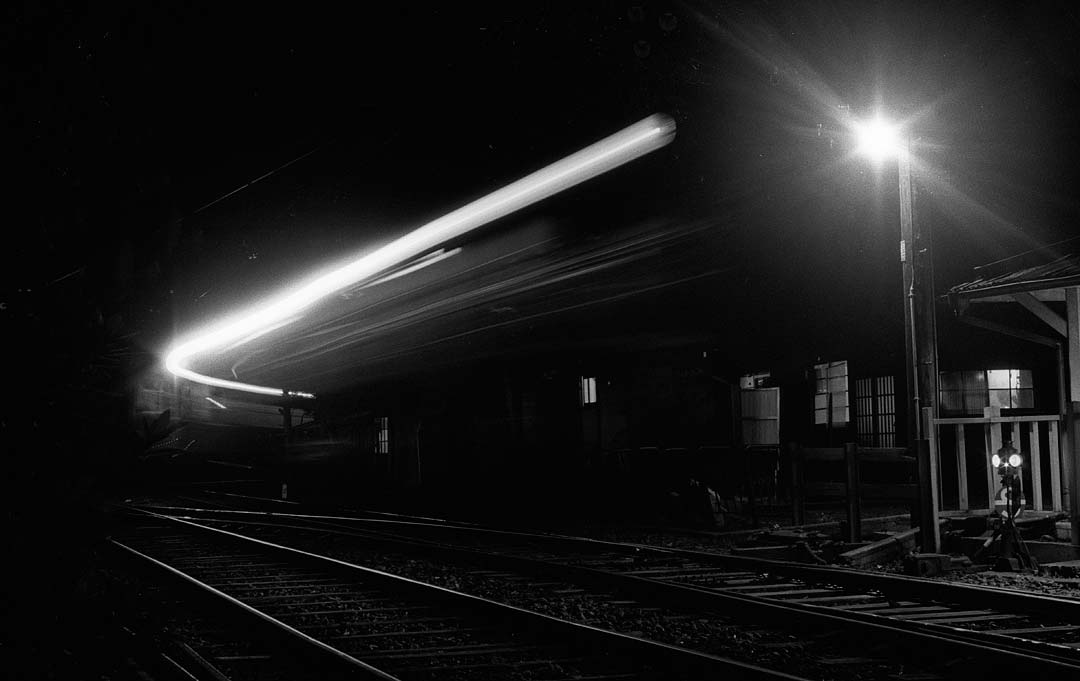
(1017,601)
(309,642)
(550,627)
(921,636)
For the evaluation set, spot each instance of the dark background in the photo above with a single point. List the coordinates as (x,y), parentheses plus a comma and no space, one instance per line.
(126,121)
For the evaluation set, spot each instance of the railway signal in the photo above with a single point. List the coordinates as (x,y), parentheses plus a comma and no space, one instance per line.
(1013,555)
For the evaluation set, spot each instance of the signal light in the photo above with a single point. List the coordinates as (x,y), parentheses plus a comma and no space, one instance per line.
(1014,461)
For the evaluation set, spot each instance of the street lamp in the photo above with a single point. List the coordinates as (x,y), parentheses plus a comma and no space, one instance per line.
(878,140)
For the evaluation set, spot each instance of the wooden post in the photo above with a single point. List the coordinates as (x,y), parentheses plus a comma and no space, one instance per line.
(1055,467)
(1036,465)
(961,466)
(286,418)
(747,455)
(1073,482)
(854,494)
(993,443)
(1071,450)
(935,460)
(798,485)
(928,525)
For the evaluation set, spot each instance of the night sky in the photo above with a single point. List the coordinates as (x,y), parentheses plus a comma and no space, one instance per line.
(129,124)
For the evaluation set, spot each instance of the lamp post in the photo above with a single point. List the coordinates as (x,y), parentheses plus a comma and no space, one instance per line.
(879,140)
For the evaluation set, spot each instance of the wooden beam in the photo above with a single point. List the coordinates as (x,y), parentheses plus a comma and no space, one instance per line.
(1050,295)
(999,419)
(881,551)
(1042,311)
(1007,330)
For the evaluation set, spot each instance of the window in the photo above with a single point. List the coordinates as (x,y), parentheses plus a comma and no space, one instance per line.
(382,435)
(588,390)
(967,392)
(875,411)
(1010,388)
(831,394)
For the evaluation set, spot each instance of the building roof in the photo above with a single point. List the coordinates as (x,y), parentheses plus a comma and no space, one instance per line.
(991,281)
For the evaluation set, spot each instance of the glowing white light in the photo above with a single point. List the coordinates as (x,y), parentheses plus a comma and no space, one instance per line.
(214,402)
(1016,460)
(877,139)
(426,261)
(995,460)
(611,152)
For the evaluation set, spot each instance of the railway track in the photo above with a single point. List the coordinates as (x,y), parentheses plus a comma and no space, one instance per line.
(173,639)
(365,623)
(921,619)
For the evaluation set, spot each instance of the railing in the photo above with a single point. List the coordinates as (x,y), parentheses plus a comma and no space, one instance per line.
(1033,436)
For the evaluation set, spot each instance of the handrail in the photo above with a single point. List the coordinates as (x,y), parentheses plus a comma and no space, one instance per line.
(998,419)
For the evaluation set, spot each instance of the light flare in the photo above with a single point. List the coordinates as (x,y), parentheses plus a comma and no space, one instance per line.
(877,139)
(611,152)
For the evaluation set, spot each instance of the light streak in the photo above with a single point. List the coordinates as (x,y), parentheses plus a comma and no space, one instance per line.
(214,402)
(426,261)
(611,152)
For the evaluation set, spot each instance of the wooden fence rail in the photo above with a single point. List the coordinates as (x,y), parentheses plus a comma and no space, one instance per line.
(852,489)
(1028,433)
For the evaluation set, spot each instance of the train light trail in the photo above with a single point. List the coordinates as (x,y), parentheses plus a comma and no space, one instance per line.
(611,152)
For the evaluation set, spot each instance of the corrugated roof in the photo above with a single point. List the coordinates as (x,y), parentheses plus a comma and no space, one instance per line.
(1064,271)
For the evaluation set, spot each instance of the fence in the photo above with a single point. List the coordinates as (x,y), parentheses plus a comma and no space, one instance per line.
(816,474)
(1036,437)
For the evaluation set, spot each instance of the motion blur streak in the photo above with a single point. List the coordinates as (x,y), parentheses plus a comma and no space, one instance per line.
(626,145)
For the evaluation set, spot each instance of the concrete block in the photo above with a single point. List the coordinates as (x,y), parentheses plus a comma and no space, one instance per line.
(882,551)
(960,563)
(1065,569)
(1042,551)
(1063,530)
(927,564)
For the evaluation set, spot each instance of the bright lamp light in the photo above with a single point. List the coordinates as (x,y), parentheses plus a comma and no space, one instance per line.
(1016,460)
(877,139)
(995,460)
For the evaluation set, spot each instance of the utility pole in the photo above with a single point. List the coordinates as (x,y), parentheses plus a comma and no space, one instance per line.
(920,344)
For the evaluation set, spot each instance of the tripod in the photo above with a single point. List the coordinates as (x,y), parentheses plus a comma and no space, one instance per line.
(1013,554)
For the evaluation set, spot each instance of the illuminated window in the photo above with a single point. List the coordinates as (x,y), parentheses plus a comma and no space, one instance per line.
(831,394)
(588,390)
(875,411)
(382,435)
(1010,388)
(967,392)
